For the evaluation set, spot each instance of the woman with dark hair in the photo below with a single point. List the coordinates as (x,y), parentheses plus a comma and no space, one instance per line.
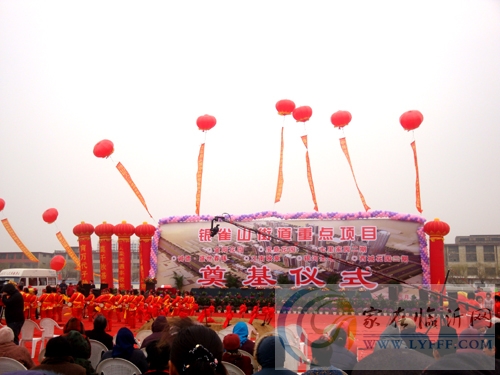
(99,332)
(74,324)
(124,348)
(196,350)
(81,350)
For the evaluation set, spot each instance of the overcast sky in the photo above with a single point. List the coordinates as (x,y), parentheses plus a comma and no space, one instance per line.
(140,73)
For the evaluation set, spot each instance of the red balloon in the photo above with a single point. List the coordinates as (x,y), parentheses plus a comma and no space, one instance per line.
(104,148)
(206,122)
(285,107)
(341,118)
(302,114)
(50,215)
(57,263)
(411,120)
(2,204)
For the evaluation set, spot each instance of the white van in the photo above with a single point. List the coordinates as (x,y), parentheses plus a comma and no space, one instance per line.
(30,277)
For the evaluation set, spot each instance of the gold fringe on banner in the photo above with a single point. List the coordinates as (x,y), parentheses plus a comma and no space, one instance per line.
(199,175)
(309,173)
(279,188)
(68,249)
(343,144)
(131,183)
(417,182)
(18,242)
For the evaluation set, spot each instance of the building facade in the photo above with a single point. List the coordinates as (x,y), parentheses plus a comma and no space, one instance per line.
(19,260)
(473,259)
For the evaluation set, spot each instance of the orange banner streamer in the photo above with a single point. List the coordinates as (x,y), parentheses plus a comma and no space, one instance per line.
(18,242)
(199,175)
(309,174)
(343,144)
(131,183)
(68,249)
(417,181)
(279,188)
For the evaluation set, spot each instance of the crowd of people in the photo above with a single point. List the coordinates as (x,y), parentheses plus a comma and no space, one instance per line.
(181,345)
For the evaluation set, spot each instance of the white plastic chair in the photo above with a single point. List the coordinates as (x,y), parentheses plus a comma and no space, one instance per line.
(117,366)
(141,335)
(27,333)
(48,326)
(97,348)
(9,364)
(294,357)
(255,365)
(232,369)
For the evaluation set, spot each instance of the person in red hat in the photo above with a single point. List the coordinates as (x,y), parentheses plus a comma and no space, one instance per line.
(231,344)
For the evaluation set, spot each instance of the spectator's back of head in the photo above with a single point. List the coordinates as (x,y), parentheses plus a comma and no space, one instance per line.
(322,352)
(338,336)
(58,347)
(196,350)
(446,342)
(270,352)
(157,357)
(393,361)
(100,323)
(6,335)
(74,324)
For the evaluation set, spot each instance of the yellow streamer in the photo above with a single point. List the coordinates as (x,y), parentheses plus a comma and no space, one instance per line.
(68,249)
(199,175)
(309,174)
(279,188)
(343,144)
(417,181)
(18,242)
(131,183)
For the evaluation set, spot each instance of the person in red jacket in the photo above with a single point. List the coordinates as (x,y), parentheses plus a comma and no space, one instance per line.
(254,313)
(46,303)
(229,315)
(105,304)
(243,310)
(89,305)
(76,302)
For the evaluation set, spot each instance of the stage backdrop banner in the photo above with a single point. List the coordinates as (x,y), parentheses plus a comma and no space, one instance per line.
(387,242)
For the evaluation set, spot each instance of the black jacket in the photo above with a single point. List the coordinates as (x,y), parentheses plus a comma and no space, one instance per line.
(14,304)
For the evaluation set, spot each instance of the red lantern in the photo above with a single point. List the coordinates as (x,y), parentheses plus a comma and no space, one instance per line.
(411,120)
(285,107)
(206,122)
(83,229)
(104,148)
(436,228)
(340,119)
(57,263)
(50,215)
(2,204)
(302,114)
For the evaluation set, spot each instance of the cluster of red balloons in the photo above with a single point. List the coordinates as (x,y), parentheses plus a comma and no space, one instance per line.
(409,120)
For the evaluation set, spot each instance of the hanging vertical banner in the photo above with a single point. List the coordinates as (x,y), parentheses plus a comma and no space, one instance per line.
(309,174)
(199,175)
(343,144)
(83,231)
(124,231)
(18,242)
(105,231)
(417,181)
(131,183)
(68,249)
(279,187)
(144,231)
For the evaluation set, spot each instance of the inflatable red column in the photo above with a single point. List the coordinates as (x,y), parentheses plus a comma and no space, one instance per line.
(436,230)
(124,231)
(144,231)
(83,231)
(105,231)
